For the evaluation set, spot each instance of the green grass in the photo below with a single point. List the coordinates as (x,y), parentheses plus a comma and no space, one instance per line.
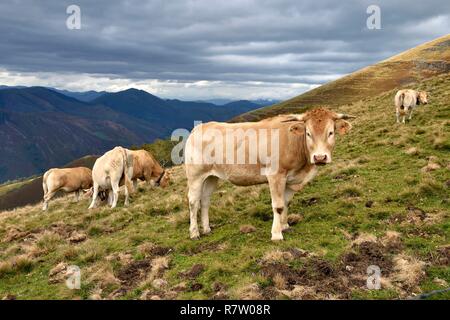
(370,165)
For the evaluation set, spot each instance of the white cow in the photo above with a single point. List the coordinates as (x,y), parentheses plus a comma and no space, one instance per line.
(107,172)
(406,100)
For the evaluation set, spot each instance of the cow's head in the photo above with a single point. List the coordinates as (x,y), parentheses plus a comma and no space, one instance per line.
(163,180)
(319,127)
(422,97)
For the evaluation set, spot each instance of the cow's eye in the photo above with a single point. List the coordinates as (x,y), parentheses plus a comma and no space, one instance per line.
(330,134)
(308,134)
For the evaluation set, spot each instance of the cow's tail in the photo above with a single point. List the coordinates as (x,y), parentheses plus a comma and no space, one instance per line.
(44,181)
(128,169)
(401,98)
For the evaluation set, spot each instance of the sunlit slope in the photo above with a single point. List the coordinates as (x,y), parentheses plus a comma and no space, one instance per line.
(405,69)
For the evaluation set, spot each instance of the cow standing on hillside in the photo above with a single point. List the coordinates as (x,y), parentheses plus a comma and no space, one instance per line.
(107,172)
(147,168)
(298,144)
(406,100)
(66,179)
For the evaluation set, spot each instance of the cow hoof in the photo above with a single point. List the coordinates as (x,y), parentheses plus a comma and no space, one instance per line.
(285,227)
(206,230)
(277,237)
(195,235)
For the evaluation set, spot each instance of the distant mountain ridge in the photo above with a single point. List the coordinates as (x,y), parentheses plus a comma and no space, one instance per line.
(85,96)
(43,127)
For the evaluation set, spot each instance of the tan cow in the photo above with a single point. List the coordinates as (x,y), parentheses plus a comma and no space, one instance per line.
(147,168)
(107,173)
(406,100)
(68,180)
(295,144)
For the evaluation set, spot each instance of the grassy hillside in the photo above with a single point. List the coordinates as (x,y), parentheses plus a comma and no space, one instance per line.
(407,68)
(384,201)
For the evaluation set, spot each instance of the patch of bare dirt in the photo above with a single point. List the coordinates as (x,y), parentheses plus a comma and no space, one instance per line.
(59,228)
(293,219)
(196,286)
(58,273)
(441,257)
(311,201)
(141,272)
(13,234)
(152,250)
(247,228)
(194,272)
(207,246)
(317,278)
(77,237)
(134,272)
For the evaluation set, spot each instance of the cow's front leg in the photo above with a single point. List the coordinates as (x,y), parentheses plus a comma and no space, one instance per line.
(288,194)
(208,188)
(194,196)
(277,186)
(77,195)
(94,196)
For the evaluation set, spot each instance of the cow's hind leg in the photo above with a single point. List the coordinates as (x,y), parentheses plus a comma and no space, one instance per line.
(194,195)
(47,198)
(110,197)
(94,196)
(209,186)
(115,190)
(410,114)
(127,196)
(277,186)
(288,194)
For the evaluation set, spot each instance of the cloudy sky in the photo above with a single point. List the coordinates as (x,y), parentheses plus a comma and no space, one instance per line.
(238,49)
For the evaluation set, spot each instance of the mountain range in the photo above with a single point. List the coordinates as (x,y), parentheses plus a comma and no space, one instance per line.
(45,127)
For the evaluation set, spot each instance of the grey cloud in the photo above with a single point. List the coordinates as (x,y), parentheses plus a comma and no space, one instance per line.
(287,41)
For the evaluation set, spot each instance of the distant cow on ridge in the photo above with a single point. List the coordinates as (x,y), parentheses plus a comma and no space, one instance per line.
(66,179)
(406,100)
(107,172)
(301,141)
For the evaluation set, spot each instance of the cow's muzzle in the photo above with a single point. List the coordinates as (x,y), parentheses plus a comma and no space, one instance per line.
(320,159)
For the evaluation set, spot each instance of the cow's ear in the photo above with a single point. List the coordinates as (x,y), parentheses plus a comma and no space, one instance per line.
(343,127)
(297,128)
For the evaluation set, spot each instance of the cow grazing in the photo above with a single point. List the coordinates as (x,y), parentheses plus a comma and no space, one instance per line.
(147,168)
(68,180)
(298,144)
(406,100)
(107,173)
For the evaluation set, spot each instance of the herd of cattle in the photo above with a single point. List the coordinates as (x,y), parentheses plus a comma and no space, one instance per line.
(305,141)
(116,167)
